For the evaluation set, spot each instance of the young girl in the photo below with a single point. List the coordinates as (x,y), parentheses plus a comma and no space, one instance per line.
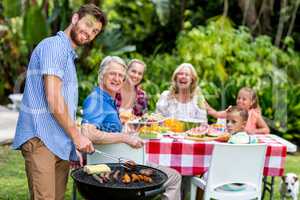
(248,100)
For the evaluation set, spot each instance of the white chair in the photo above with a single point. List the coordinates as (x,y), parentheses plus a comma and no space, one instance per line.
(233,163)
(116,150)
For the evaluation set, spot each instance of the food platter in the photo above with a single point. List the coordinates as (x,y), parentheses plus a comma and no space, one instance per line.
(221,138)
(200,139)
(207,133)
(147,120)
(154,131)
(151,136)
(136,122)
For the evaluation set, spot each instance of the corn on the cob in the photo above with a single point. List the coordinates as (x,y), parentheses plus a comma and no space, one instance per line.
(96,169)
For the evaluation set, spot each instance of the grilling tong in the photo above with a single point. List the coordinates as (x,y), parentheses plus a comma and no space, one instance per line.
(126,163)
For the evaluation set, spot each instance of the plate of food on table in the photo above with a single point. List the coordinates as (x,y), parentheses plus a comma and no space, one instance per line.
(149,126)
(153,131)
(147,120)
(178,126)
(166,127)
(206,132)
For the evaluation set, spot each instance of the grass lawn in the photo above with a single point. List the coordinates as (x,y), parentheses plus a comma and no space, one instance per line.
(13,182)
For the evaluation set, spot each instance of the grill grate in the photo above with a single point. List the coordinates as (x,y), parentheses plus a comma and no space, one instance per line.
(158,178)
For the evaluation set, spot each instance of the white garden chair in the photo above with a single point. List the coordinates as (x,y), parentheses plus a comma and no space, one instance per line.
(116,150)
(233,163)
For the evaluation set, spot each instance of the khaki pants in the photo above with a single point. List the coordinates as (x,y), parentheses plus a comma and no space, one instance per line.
(46,173)
(172,185)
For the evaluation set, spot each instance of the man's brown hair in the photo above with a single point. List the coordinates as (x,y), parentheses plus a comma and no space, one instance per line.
(92,9)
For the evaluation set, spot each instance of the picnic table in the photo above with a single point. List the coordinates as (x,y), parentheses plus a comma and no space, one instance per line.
(191,158)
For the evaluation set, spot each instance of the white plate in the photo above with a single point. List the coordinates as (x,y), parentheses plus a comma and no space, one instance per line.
(136,122)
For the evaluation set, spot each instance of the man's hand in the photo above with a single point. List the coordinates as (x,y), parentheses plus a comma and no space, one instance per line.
(133,141)
(83,144)
(77,164)
(80,157)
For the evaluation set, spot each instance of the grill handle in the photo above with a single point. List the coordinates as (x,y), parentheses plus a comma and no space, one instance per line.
(154,192)
(120,160)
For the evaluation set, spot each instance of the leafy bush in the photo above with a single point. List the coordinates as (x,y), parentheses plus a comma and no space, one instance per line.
(227,59)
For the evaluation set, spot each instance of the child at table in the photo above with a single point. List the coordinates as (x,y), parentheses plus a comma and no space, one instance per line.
(236,119)
(236,122)
(248,100)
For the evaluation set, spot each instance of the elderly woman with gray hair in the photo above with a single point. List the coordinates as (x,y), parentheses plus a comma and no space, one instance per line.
(101,121)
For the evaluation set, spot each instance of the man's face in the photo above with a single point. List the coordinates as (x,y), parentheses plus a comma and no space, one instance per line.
(85,29)
(113,78)
(235,122)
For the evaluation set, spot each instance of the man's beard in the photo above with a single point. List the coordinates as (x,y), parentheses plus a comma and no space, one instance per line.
(74,34)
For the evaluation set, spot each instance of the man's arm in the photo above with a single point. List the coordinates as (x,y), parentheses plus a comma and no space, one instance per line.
(101,137)
(60,111)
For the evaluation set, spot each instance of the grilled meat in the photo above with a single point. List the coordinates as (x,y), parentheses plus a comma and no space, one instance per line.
(135,178)
(126,178)
(146,172)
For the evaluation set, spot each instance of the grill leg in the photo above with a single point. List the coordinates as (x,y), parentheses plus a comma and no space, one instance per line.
(74,191)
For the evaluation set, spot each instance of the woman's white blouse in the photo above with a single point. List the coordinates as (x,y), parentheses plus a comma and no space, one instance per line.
(190,111)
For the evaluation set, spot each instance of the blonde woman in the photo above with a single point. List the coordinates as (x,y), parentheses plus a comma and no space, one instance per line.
(184,100)
(132,98)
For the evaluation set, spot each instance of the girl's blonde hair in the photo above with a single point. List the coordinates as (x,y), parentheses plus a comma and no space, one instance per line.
(253,96)
(193,88)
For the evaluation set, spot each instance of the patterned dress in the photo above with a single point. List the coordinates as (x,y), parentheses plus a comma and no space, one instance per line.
(140,104)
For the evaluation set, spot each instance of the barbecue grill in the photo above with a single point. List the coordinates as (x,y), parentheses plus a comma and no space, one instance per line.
(91,189)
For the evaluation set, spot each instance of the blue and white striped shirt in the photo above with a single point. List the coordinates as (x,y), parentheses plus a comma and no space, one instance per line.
(52,56)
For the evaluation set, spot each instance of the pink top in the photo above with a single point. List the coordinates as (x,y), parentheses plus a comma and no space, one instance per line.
(253,115)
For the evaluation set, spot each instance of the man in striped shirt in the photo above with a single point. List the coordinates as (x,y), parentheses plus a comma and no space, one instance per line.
(46,131)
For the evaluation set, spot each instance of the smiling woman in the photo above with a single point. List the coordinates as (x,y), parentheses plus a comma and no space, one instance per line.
(132,100)
(184,99)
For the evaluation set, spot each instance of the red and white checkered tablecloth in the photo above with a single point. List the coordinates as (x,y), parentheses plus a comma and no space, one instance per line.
(193,158)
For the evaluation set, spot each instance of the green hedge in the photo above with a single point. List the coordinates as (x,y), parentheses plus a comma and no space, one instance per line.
(227,59)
